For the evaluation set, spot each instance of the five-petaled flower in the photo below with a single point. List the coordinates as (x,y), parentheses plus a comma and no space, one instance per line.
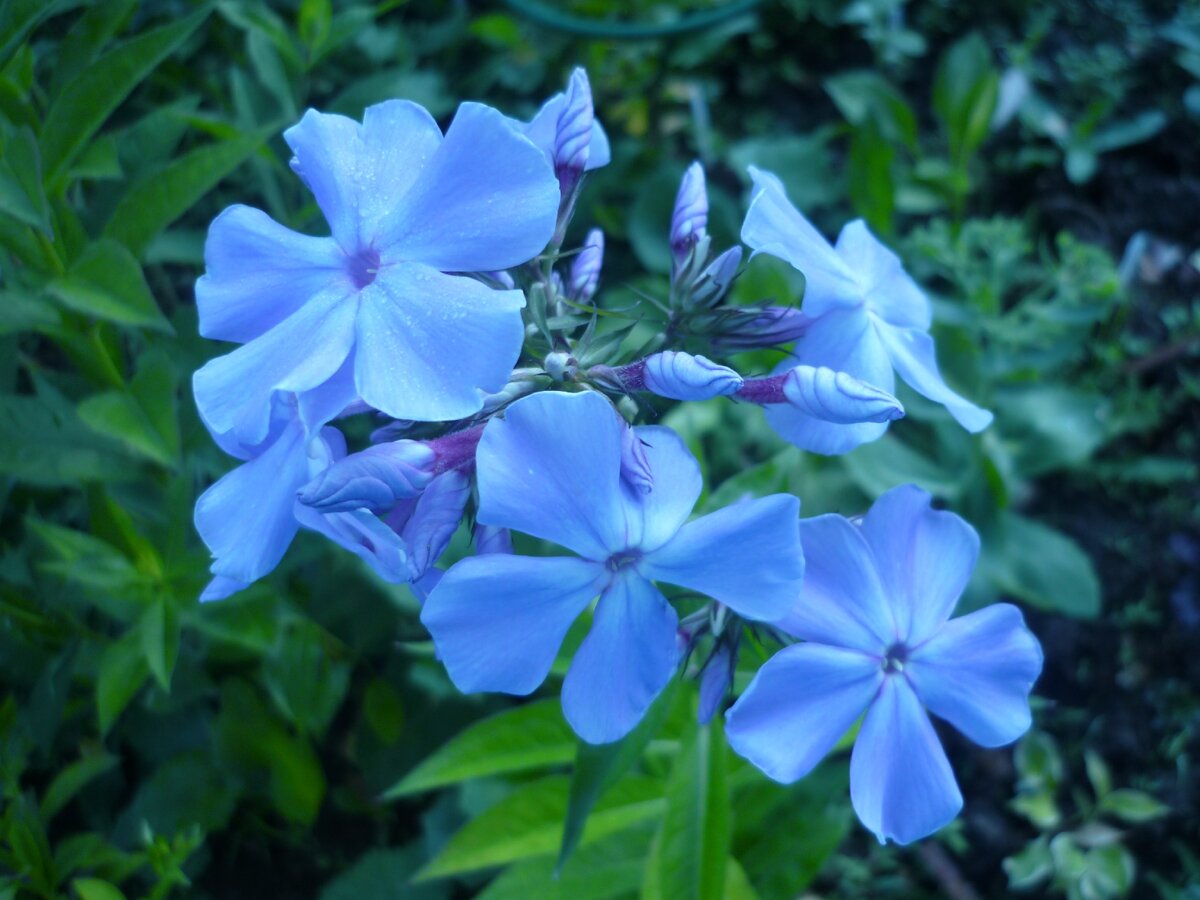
(370,313)
(552,468)
(875,619)
(866,317)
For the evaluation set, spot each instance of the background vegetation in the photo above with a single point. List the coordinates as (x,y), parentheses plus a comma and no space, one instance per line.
(1035,164)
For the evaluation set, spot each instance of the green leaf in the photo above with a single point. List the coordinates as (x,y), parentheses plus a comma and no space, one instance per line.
(117,415)
(865,96)
(20,311)
(1133,806)
(695,831)
(1039,565)
(158,200)
(123,671)
(106,282)
(1097,773)
(965,91)
(19,17)
(528,823)
(1051,426)
(89,98)
(1031,866)
(72,779)
(599,766)
(89,34)
(96,889)
(382,874)
(159,629)
(606,868)
(530,736)
(21,193)
(306,681)
(802,163)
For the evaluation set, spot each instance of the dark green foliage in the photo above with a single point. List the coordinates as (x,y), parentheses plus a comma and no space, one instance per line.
(300,740)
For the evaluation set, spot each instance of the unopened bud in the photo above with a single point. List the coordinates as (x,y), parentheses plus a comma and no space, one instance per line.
(682,376)
(824,394)
(715,681)
(376,478)
(572,140)
(690,217)
(635,466)
(585,270)
(767,327)
(716,279)
(561,366)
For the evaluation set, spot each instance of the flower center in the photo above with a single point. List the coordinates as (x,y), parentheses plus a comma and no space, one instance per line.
(895,659)
(363,267)
(623,560)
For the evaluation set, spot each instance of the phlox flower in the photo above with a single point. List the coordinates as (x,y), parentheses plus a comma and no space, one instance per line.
(866,317)
(552,468)
(875,618)
(566,131)
(249,517)
(371,310)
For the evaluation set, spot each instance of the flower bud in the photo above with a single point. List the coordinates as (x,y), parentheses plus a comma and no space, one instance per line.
(682,376)
(715,681)
(767,327)
(375,478)
(838,397)
(690,218)
(572,140)
(561,366)
(432,520)
(714,282)
(585,270)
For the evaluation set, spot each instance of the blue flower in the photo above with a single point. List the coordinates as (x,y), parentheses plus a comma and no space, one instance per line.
(249,517)
(566,131)
(552,468)
(371,308)
(875,617)
(689,219)
(867,318)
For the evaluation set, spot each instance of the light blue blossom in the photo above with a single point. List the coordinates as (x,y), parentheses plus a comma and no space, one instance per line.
(371,308)
(557,130)
(867,318)
(875,618)
(552,468)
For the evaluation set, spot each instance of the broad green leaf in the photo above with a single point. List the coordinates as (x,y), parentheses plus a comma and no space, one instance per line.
(123,671)
(695,830)
(966,87)
(1039,565)
(1133,806)
(783,835)
(21,193)
(19,17)
(89,35)
(872,188)
(89,98)
(531,736)
(43,442)
(607,868)
(599,766)
(1051,426)
(159,199)
(1031,866)
(737,883)
(84,559)
(72,779)
(159,629)
(865,96)
(106,282)
(118,416)
(306,681)
(96,889)
(528,823)
(22,311)
(99,161)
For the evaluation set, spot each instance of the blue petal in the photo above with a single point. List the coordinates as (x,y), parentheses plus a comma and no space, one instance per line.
(487,199)
(682,376)
(976,672)
(715,682)
(366,536)
(839,398)
(542,129)
(358,173)
(915,359)
(429,345)
(234,392)
(901,783)
(435,518)
(221,587)
(842,340)
(257,273)
(625,661)
(776,227)
(924,556)
(798,706)
(552,468)
(747,556)
(676,483)
(843,602)
(246,518)
(891,293)
(498,620)
(334,398)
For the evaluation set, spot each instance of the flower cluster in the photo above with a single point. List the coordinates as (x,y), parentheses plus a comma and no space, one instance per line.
(445,305)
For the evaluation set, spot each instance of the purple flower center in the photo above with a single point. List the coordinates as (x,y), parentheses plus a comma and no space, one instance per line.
(895,659)
(623,560)
(363,267)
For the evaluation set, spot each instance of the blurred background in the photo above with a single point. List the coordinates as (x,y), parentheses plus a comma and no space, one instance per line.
(1036,166)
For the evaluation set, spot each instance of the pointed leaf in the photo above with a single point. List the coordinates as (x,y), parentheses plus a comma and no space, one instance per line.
(106,282)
